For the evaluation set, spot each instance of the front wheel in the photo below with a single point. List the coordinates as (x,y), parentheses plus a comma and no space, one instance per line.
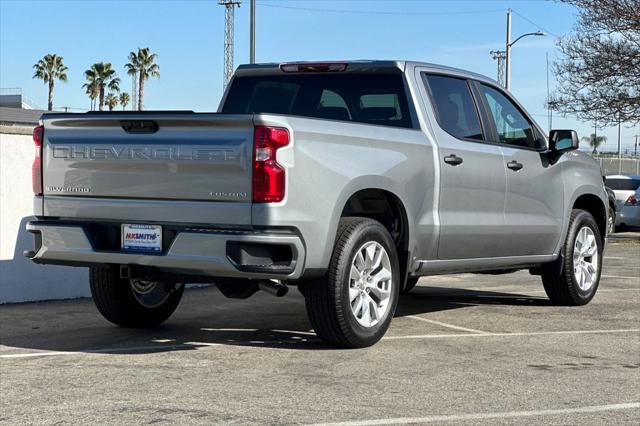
(579,275)
(353,305)
(133,302)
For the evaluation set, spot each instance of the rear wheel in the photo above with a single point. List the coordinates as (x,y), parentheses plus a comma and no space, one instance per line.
(353,305)
(579,275)
(133,302)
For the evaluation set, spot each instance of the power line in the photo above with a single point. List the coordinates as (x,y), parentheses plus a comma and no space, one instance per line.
(379,12)
(535,24)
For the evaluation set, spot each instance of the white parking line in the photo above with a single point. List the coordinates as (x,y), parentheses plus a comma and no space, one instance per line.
(620,276)
(195,345)
(482,416)
(535,333)
(99,351)
(444,324)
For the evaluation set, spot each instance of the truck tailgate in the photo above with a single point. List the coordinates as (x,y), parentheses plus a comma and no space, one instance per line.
(181,157)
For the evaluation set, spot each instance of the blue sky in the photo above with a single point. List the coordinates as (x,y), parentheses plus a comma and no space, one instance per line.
(188,37)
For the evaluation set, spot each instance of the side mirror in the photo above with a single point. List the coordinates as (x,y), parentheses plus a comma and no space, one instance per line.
(563,140)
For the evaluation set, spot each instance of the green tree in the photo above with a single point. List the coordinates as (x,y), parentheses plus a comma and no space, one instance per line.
(111,100)
(93,91)
(48,69)
(598,67)
(124,100)
(595,141)
(103,76)
(143,65)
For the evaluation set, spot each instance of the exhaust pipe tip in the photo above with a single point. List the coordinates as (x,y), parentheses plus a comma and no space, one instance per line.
(276,289)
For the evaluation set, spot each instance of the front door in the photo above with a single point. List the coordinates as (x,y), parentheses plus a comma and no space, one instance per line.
(472,175)
(534,197)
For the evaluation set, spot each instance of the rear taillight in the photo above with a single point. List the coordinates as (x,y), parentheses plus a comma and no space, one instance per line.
(268,175)
(36,168)
(631,201)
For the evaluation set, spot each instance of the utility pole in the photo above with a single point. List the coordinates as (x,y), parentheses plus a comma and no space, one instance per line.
(509,45)
(549,110)
(252,35)
(230,6)
(507,75)
(499,55)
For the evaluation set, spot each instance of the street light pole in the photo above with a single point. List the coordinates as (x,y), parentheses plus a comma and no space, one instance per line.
(507,69)
(509,45)
(252,36)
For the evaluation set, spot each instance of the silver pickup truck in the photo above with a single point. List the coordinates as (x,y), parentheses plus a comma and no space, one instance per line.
(349,180)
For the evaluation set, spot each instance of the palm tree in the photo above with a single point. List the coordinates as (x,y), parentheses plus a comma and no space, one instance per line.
(93,91)
(111,100)
(595,141)
(143,64)
(124,100)
(49,69)
(104,77)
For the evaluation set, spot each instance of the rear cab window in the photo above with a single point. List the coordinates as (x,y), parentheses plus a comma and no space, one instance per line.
(357,97)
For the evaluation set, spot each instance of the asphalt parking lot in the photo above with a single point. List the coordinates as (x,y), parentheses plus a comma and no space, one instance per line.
(464,349)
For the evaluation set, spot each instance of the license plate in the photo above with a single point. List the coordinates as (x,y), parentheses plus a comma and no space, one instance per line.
(142,238)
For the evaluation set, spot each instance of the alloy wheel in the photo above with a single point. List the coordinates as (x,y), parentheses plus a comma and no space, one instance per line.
(585,258)
(370,284)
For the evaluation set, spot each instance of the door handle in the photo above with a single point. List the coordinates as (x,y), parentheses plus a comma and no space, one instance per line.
(453,159)
(514,165)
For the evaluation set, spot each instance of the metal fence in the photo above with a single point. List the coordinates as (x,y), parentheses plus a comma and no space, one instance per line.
(618,165)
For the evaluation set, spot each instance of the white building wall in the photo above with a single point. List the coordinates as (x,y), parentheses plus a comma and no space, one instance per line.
(20,279)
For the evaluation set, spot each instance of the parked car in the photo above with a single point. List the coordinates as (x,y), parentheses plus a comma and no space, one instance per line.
(349,180)
(629,216)
(625,188)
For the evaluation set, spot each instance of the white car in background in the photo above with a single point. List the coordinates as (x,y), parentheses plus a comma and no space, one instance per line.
(627,190)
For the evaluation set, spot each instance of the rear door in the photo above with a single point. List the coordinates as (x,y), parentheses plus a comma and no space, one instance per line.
(472,176)
(535,193)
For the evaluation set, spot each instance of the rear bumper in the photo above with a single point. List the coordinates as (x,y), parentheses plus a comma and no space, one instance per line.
(196,252)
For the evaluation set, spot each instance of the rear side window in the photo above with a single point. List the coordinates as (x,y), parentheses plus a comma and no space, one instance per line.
(622,184)
(363,98)
(512,126)
(455,110)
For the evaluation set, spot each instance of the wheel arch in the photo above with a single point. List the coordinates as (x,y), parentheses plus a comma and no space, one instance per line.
(598,209)
(384,203)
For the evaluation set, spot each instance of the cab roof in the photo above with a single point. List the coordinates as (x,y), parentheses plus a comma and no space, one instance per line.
(359,66)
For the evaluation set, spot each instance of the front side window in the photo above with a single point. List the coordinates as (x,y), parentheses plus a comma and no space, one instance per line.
(455,110)
(512,126)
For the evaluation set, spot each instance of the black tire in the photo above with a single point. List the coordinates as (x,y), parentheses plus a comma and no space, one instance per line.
(611,225)
(561,285)
(409,285)
(327,298)
(115,299)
